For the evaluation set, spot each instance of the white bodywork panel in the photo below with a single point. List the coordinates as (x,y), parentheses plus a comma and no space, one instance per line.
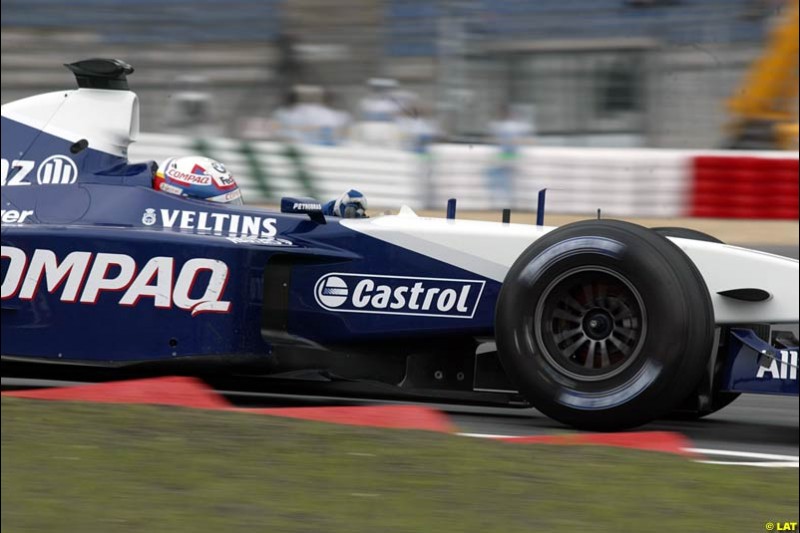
(727,267)
(109,120)
(489,249)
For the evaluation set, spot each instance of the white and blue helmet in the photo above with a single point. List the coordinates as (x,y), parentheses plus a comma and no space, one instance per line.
(197,177)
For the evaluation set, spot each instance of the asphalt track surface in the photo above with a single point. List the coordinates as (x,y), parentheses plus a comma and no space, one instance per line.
(788,251)
(753,424)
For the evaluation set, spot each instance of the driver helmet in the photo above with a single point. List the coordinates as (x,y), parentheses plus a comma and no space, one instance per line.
(197,177)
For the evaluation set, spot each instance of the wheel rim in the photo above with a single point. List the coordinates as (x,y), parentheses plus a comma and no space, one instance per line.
(590,323)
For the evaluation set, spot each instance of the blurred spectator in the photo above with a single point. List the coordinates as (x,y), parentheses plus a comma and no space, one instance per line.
(306,118)
(191,106)
(289,69)
(380,104)
(379,111)
(509,131)
(284,117)
(337,121)
(418,131)
(418,128)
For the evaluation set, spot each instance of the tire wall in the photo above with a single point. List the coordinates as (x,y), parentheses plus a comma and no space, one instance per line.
(738,186)
(622,182)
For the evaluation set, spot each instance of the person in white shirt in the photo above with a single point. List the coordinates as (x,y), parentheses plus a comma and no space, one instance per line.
(306,118)
(508,132)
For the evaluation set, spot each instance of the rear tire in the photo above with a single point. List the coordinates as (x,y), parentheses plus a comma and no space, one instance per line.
(604,325)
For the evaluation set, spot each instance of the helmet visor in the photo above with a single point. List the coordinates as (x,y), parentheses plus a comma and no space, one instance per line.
(233,197)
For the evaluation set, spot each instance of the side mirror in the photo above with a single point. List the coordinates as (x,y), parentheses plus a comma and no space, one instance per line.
(303,205)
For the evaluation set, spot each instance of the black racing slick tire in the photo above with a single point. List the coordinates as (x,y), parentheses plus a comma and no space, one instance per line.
(719,399)
(604,325)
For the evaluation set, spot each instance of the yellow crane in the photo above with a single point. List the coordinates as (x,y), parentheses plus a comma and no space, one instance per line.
(765,105)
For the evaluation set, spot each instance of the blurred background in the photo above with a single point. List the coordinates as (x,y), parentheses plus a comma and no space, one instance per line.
(630,105)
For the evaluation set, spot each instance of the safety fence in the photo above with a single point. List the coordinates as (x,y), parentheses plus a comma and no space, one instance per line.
(621,182)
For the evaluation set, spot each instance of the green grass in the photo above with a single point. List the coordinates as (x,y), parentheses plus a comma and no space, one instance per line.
(108,468)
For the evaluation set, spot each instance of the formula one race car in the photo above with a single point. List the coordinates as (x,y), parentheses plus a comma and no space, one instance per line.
(599,324)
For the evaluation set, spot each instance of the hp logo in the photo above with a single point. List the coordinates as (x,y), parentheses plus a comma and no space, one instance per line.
(57,170)
(332,291)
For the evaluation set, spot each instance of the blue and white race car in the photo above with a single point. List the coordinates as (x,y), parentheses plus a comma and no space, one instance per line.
(599,324)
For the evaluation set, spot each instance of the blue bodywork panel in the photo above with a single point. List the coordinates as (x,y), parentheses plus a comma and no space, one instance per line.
(754,366)
(99,267)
